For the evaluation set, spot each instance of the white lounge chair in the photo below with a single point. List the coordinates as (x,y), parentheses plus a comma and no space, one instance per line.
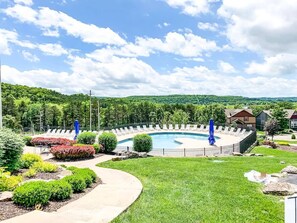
(164,127)
(237,132)
(201,128)
(220,129)
(188,127)
(231,131)
(139,129)
(131,129)
(119,133)
(176,127)
(170,127)
(158,128)
(226,130)
(57,133)
(48,132)
(243,131)
(53,132)
(127,130)
(114,131)
(182,127)
(194,128)
(123,131)
(151,128)
(144,128)
(207,128)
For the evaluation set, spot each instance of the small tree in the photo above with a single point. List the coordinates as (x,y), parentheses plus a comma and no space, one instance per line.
(281,116)
(271,127)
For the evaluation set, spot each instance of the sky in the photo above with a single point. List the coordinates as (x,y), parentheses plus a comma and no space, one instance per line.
(151,47)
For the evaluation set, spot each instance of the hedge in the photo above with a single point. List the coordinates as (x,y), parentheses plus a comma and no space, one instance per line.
(60,190)
(49,142)
(27,160)
(73,152)
(108,141)
(86,138)
(142,143)
(11,149)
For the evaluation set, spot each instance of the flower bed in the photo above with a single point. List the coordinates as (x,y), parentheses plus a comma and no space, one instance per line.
(49,142)
(72,152)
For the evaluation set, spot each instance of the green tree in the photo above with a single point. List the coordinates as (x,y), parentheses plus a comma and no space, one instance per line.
(281,116)
(179,117)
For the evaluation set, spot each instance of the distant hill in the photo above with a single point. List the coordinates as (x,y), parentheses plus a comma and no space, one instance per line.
(42,94)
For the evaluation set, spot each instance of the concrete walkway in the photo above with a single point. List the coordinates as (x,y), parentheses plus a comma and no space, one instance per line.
(104,203)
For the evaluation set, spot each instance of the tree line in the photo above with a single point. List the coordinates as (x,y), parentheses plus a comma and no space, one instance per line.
(37,108)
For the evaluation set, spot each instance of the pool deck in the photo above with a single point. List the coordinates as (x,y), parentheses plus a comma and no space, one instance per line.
(225,139)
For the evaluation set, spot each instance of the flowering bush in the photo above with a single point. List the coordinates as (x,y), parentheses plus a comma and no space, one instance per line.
(72,152)
(41,141)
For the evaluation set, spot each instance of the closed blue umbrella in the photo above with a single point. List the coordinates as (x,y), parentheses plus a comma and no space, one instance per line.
(211,137)
(76,128)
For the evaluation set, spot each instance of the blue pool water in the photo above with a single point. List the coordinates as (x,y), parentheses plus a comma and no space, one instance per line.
(166,140)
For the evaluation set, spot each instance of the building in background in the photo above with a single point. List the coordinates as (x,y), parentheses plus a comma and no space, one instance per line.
(242,117)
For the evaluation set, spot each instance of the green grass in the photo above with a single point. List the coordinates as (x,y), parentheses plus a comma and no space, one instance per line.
(200,190)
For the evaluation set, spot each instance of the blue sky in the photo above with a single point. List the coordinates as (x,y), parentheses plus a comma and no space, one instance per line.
(151,47)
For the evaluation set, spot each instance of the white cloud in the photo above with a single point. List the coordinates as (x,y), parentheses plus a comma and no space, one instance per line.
(187,45)
(50,21)
(164,24)
(208,26)
(267,28)
(6,37)
(262,25)
(25,2)
(226,67)
(52,49)
(279,64)
(30,57)
(190,7)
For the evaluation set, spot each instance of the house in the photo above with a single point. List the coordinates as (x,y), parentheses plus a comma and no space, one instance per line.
(243,117)
(263,116)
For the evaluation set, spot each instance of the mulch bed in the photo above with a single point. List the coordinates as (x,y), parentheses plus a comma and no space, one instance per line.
(42,176)
(9,210)
(288,148)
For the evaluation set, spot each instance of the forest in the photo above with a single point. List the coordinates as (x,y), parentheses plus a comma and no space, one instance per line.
(26,108)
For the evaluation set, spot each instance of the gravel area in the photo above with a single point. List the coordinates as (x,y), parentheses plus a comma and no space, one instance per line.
(8,209)
(42,176)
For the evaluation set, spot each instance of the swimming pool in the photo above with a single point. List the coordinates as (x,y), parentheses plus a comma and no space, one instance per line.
(166,140)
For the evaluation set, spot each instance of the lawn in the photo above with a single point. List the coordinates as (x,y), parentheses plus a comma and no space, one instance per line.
(285,141)
(201,190)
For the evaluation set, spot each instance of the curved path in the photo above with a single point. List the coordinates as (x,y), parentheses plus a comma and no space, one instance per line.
(104,203)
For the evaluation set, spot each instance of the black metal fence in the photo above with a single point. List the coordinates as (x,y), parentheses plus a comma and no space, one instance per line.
(189,152)
(248,141)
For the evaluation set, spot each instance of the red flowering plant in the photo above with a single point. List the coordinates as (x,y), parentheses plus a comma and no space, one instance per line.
(49,142)
(72,152)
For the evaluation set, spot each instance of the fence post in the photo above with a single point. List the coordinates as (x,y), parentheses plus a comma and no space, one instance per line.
(184,152)
(204,153)
(221,148)
(233,148)
(163,151)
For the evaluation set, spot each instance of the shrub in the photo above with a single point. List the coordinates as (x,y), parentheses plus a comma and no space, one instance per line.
(142,143)
(27,160)
(108,140)
(86,138)
(30,173)
(77,183)
(72,152)
(293,136)
(27,140)
(11,149)
(60,190)
(97,148)
(8,182)
(84,171)
(270,143)
(45,167)
(32,193)
(49,142)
